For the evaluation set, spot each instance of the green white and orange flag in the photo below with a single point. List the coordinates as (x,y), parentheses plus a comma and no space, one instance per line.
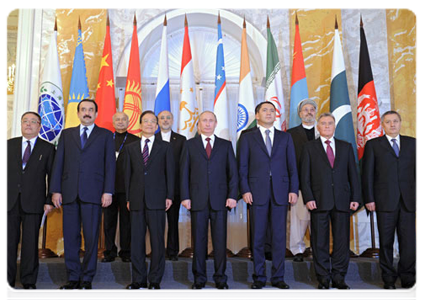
(132,103)
(274,92)
(246,103)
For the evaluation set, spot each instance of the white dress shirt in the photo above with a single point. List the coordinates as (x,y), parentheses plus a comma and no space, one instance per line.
(332,144)
(150,144)
(212,137)
(90,129)
(392,137)
(263,133)
(166,135)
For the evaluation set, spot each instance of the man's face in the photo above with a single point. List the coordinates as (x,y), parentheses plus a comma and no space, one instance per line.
(87,113)
(391,124)
(120,121)
(165,120)
(308,113)
(148,125)
(207,124)
(30,126)
(266,115)
(326,127)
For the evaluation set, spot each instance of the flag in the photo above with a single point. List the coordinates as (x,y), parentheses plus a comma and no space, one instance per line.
(50,102)
(162,101)
(368,117)
(78,87)
(246,106)
(105,96)
(220,97)
(340,105)
(273,92)
(299,90)
(132,101)
(188,109)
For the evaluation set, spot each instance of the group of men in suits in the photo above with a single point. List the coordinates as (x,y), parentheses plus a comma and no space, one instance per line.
(94,169)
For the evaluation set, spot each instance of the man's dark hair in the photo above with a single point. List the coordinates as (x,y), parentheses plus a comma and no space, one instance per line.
(88,100)
(390,112)
(149,112)
(261,104)
(34,113)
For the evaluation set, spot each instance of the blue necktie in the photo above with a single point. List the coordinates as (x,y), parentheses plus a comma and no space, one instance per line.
(84,137)
(395,147)
(27,154)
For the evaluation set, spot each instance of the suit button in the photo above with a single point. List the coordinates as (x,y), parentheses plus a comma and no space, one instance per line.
(145,173)
(23,172)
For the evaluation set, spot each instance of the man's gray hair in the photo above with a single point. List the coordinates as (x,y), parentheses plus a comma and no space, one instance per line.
(326,114)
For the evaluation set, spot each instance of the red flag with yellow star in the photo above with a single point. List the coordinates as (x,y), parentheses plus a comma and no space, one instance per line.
(105,96)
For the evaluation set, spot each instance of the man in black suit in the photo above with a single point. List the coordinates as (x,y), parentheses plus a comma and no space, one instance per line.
(177,142)
(389,188)
(269,183)
(330,188)
(209,182)
(29,163)
(121,138)
(83,179)
(149,182)
(300,216)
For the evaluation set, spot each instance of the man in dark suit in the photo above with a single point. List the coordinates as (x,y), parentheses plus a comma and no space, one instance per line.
(269,183)
(121,138)
(29,163)
(389,188)
(330,189)
(83,179)
(209,182)
(149,182)
(177,142)
(299,214)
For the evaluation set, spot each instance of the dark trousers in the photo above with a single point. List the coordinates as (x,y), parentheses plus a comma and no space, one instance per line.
(263,217)
(89,215)
(327,267)
(199,227)
(29,245)
(118,206)
(155,220)
(404,222)
(172,247)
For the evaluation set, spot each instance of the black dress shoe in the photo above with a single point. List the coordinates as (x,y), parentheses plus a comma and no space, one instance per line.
(154,286)
(257,285)
(299,257)
(136,286)
(198,286)
(389,286)
(412,285)
(70,285)
(281,285)
(341,285)
(323,285)
(107,259)
(126,259)
(29,287)
(85,285)
(222,286)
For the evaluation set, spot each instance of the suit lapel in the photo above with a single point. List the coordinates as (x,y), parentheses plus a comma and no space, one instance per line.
(385,143)
(200,146)
(338,150)
(217,144)
(19,153)
(276,140)
(92,137)
(34,154)
(259,139)
(321,150)
(77,136)
(157,145)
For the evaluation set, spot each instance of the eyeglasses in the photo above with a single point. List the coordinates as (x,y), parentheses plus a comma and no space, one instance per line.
(33,122)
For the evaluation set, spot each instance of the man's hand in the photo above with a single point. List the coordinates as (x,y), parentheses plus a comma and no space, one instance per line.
(106,200)
(48,208)
(127,206)
(292,198)
(371,206)
(248,198)
(56,198)
(186,203)
(354,206)
(231,203)
(311,205)
(168,204)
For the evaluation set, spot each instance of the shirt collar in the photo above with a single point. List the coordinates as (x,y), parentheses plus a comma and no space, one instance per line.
(90,127)
(323,139)
(392,137)
(151,138)
(32,141)
(308,126)
(203,137)
(263,129)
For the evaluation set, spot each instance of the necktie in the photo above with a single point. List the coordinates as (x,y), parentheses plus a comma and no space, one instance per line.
(145,152)
(395,147)
(84,137)
(208,147)
(268,142)
(27,153)
(329,152)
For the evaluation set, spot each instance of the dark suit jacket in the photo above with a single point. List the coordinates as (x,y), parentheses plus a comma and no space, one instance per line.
(177,142)
(119,180)
(85,173)
(31,181)
(255,165)
(386,177)
(149,186)
(203,179)
(329,187)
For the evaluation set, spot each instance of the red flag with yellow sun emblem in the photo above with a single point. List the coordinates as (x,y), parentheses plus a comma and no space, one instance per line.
(132,105)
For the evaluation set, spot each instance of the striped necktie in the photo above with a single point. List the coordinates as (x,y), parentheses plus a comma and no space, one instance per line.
(145,152)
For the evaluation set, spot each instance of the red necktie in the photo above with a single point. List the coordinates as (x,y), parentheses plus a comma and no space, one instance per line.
(208,147)
(329,152)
